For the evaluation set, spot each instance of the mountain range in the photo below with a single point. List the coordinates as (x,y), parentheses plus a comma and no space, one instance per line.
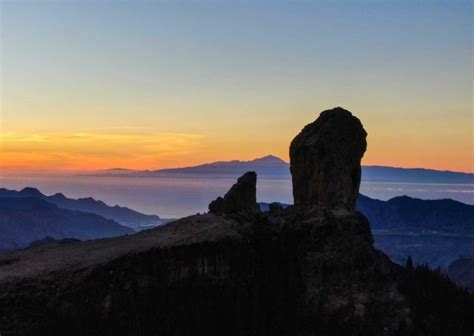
(24,220)
(29,215)
(415,215)
(271,166)
(435,232)
(432,232)
(121,215)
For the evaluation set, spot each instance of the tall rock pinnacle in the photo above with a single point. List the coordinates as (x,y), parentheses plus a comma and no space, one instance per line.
(242,197)
(325,160)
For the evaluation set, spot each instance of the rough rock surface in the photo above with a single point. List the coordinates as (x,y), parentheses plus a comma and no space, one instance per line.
(462,272)
(325,160)
(292,271)
(242,197)
(311,272)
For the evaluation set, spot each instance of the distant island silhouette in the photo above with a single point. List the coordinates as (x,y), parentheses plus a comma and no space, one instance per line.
(275,167)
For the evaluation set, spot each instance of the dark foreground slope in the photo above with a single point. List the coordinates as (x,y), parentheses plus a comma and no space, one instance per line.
(290,273)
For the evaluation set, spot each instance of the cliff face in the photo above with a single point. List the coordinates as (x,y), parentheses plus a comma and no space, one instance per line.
(291,274)
(304,270)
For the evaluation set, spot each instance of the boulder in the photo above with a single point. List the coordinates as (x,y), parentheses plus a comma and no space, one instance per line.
(325,160)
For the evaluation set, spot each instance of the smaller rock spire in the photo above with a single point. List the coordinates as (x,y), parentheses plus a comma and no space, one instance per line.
(242,197)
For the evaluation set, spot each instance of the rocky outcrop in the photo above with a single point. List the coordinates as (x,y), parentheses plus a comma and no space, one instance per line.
(461,271)
(241,198)
(303,270)
(311,272)
(325,160)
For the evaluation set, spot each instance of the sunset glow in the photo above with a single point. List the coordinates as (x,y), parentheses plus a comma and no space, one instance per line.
(184,84)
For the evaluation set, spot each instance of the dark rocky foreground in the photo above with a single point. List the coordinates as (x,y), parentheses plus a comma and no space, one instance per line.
(304,270)
(291,273)
(462,271)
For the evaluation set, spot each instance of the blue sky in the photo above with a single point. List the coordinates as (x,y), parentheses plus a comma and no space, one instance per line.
(208,69)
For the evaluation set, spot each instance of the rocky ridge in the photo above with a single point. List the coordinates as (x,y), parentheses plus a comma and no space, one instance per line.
(310,269)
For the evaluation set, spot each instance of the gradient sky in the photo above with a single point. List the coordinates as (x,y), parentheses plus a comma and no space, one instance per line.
(151,84)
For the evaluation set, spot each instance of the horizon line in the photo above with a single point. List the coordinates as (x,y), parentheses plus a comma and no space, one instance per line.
(72,170)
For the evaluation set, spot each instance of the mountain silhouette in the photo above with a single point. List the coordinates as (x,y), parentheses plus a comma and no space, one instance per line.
(24,220)
(122,215)
(417,215)
(432,232)
(269,165)
(274,167)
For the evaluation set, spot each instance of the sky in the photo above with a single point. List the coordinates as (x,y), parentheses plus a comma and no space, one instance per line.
(153,84)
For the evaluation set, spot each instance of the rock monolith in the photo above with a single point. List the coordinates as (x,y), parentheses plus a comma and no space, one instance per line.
(325,160)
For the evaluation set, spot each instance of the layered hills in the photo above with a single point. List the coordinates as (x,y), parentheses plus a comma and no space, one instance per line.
(122,215)
(432,232)
(27,219)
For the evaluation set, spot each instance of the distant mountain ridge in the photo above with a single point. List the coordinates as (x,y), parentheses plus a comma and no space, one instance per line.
(24,220)
(51,241)
(269,165)
(274,167)
(435,232)
(414,175)
(407,213)
(122,215)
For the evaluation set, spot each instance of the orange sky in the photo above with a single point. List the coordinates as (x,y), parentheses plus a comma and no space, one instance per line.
(187,84)
(102,149)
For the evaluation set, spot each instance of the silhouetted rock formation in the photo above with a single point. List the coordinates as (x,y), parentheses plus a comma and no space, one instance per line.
(241,198)
(432,232)
(289,271)
(461,271)
(325,160)
(217,206)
